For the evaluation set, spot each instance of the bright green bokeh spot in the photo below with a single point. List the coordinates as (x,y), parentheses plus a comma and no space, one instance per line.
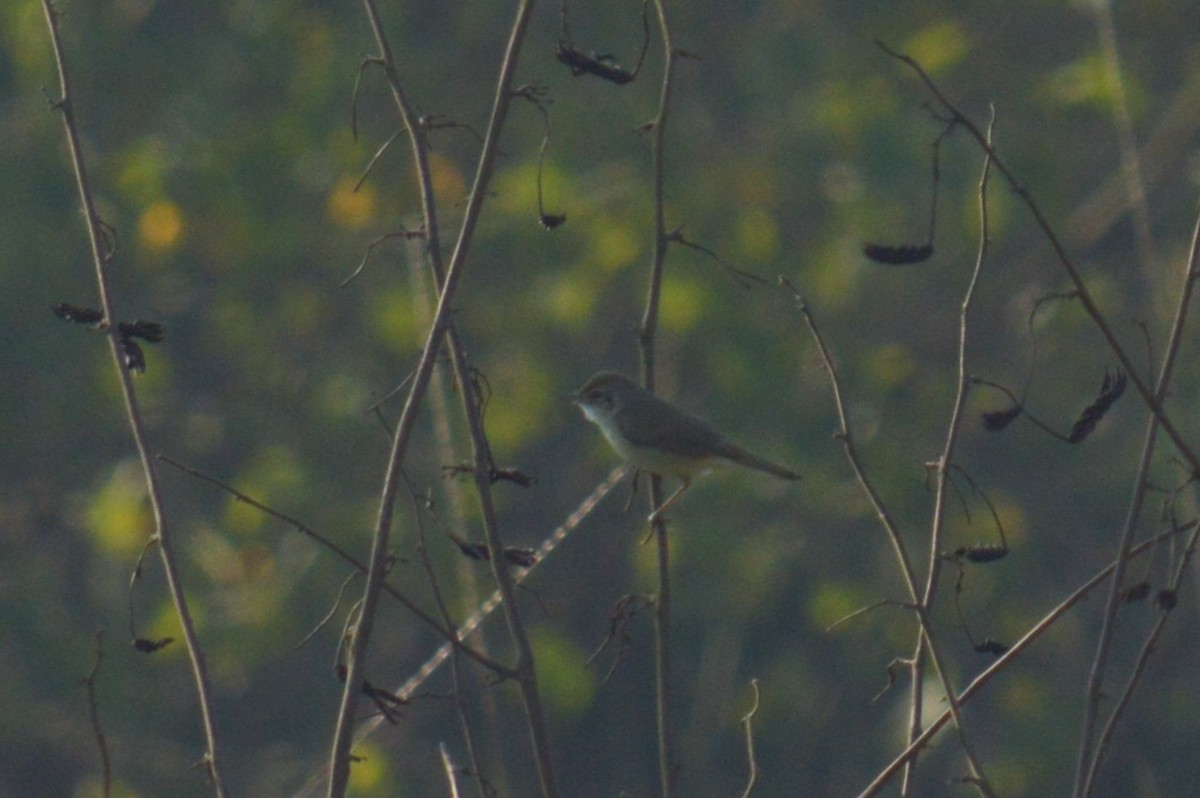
(92,786)
(516,189)
(834,278)
(832,602)
(846,108)
(165,624)
(394,319)
(836,109)
(143,168)
(118,517)
(567,684)
(274,473)
(369,772)
(24,32)
(614,245)
(569,299)
(892,364)
(344,395)
(758,234)
(757,570)
(683,301)
(1086,81)
(523,392)
(939,46)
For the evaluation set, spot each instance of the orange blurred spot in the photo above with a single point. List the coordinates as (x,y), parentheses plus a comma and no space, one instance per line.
(160,227)
(350,208)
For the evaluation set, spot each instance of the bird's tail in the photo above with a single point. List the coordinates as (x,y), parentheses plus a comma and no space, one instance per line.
(751,460)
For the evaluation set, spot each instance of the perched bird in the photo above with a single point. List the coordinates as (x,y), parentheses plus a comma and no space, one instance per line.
(658,437)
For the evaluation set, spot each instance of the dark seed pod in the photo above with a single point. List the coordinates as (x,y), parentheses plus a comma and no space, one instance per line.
(990,646)
(898,255)
(999,419)
(1137,592)
(1110,392)
(149,331)
(68,312)
(147,646)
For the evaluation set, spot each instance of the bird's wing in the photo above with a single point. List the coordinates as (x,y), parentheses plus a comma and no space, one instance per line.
(663,426)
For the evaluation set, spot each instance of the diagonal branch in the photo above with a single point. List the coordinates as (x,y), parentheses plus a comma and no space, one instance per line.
(101,254)
(1089,758)
(886,519)
(343,736)
(1069,266)
(452,637)
(1018,648)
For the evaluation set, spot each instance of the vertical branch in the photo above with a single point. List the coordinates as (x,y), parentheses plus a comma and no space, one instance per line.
(460,702)
(886,520)
(646,333)
(1088,762)
(94,714)
(101,255)
(340,756)
(481,450)
(748,728)
(944,464)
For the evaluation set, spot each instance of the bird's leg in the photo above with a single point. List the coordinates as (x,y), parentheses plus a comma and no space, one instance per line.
(633,489)
(674,497)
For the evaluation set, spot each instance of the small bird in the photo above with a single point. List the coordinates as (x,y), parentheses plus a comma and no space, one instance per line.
(658,437)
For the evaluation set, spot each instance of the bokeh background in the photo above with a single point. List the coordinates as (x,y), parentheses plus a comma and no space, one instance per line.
(221,150)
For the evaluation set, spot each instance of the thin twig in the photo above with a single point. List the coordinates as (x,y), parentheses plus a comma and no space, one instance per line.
(885,517)
(333,610)
(1069,266)
(945,462)
(89,682)
(646,340)
(748,726)
(460,702)
(476,619)
(343,736)
(101,254)
(443,325)
(1139,667)
(500,670)
(448,768)
(1089,762)
(1018,648)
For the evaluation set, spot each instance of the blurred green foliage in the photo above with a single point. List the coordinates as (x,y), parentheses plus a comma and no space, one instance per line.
(219,141)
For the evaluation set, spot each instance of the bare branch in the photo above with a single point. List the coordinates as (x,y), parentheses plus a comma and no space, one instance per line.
(748,726)
(103,247)
(89,682)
